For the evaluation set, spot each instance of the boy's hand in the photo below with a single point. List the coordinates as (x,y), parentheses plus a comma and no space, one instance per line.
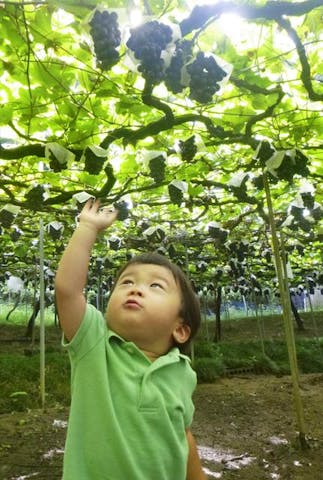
(95,218)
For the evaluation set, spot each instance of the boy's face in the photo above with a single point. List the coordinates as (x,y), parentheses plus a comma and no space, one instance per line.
(144,308)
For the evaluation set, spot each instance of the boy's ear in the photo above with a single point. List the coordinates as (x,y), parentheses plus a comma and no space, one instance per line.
(181,333)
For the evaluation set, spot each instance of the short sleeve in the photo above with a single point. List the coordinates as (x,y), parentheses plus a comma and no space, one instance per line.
(92,329)
(190,386)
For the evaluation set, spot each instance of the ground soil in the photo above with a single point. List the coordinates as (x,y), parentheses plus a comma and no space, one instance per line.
(245,426)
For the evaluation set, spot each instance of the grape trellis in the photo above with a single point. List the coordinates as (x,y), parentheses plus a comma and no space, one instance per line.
(172,116)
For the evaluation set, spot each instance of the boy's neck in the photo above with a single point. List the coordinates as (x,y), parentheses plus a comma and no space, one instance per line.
(152,356)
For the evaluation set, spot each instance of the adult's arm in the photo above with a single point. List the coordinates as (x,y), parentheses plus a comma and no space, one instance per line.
(194,467)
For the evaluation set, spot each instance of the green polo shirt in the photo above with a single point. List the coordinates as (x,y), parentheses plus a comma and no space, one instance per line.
(128,415)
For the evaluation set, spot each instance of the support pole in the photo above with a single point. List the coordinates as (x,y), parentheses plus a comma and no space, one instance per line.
(288,322)
(42,313)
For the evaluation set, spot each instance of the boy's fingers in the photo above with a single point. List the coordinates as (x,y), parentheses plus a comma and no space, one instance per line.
(109,209)
(110,212)
(96,204)
(89,203)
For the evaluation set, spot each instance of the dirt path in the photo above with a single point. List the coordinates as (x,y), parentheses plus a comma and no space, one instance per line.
(245,428)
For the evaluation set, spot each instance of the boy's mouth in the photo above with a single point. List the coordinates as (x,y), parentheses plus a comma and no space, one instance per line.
(132,303)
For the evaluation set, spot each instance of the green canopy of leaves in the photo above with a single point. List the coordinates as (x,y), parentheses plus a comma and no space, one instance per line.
(68,125)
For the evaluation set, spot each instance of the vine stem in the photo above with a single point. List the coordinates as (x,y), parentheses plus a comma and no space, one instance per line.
(287,317)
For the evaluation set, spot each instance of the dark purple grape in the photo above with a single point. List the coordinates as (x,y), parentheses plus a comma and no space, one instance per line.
(157,168)
(188,149)
(205,74)
(106,38)
(173,74)
(147,42)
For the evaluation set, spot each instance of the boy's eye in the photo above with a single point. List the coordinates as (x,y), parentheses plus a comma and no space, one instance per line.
(156,285)
(126,281)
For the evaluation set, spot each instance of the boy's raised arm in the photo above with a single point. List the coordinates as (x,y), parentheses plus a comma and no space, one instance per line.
(72,271)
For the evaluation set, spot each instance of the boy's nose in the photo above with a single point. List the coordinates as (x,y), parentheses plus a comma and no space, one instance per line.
(136,290)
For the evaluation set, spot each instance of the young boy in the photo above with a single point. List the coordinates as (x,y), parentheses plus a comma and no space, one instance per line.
(131,386)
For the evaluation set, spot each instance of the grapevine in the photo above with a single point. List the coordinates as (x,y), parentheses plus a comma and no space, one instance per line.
(106,37)
(147,42)
(205,74)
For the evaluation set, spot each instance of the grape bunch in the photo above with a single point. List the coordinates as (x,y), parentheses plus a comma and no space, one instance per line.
(218,233)
(176,195)
(147,42)
(15,234)
(55,231)
(258,182)
(264,151)
(92,163)
(55,164)
(106,38)
(205,74)
(293,163)
(308,200)
(6,217)
(35,197)
(123,209)
(157,168)
(188,149)
(173,74)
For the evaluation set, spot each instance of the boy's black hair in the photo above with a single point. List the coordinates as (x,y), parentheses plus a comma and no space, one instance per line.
(190,309)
